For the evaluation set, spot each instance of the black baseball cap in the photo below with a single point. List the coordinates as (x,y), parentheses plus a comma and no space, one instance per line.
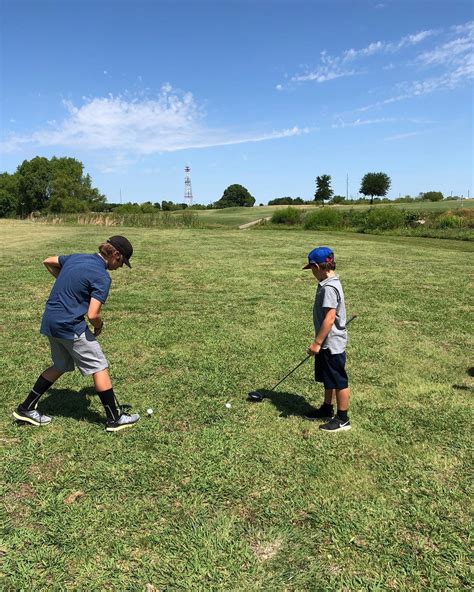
(123,246)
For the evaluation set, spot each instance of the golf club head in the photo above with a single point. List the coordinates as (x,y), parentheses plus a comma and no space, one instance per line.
(255,396)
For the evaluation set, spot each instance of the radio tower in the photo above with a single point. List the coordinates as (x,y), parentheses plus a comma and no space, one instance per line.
(188,192)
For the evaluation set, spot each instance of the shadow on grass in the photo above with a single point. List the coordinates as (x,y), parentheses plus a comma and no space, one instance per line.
(68,403)
(288,404)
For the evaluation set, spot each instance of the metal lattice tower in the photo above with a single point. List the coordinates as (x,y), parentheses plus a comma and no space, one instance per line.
(188,192)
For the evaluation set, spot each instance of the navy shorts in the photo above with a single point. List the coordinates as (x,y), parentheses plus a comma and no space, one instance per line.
(330,369)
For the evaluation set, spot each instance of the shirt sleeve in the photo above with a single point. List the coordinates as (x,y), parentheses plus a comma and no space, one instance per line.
(62,259)
(330,297)
(100,286)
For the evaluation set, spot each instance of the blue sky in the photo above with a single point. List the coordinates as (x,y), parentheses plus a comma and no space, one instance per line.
(268,94)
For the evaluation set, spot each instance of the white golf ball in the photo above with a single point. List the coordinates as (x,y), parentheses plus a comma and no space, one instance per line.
(149,411)
(228,405)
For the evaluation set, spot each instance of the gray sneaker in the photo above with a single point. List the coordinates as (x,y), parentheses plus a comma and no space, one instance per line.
(31,416)
(124,421)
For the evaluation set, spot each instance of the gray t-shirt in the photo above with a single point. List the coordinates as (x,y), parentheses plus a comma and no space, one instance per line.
(330,295)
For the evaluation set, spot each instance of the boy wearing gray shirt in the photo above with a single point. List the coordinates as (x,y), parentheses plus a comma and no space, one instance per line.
(329,345)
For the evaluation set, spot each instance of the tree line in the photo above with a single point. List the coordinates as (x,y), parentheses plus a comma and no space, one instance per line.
(54,185)
(59,185)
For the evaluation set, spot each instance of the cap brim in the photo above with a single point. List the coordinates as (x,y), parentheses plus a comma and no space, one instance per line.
(308,266)
(127,262)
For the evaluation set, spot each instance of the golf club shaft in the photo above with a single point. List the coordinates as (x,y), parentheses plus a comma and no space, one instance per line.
(305,359)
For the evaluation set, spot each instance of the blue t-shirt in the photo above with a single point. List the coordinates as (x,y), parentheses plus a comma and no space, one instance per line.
(81,278)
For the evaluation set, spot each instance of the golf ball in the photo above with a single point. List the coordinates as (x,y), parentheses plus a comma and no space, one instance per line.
(149,411)
(228,405)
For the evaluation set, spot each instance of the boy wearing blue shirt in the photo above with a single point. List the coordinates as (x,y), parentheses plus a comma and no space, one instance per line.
(81,288)
(329,345)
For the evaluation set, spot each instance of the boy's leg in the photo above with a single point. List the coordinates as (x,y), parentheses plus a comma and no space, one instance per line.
(44,382)
(329,395)
(115,419)
(340,422)
(342,397)
(26,411)
(103,387)
(326,410)
(338,377)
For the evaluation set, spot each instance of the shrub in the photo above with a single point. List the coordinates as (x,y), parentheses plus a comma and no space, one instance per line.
(290,216)
(384,218)
(450,220)
(432,196)
(325,218)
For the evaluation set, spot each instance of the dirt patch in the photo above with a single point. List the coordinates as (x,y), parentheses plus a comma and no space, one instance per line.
(266,550)
(253,223)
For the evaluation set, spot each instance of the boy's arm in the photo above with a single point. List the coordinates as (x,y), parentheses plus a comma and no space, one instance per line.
(326,325)
(93,314)
(52,265)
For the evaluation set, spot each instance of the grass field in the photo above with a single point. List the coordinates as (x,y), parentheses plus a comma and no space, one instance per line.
(201,497)
(236,216)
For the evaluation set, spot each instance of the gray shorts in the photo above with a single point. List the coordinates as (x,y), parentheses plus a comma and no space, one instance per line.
(83,351)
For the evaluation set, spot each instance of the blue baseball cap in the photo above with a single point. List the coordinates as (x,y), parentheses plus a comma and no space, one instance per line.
(319,255)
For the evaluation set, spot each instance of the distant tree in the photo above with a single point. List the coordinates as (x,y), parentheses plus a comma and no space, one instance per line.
(157,205)
(34,177)
(432,196)
(375,184)
(235,196)
(323,188)
(8,195)
(286,201)
(169,206)
(147,207)
(57,185)
(338,199)
(281,201)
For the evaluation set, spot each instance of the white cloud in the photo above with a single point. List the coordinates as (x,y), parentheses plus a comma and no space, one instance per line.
(138,126)
(332,67)
(407,135)
(322,74)
(454,57)
(359,122)
(454,52)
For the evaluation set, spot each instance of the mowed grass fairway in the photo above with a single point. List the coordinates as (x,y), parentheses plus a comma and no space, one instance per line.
(201,497)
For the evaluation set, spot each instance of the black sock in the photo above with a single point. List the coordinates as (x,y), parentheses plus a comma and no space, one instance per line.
(342,415)
(39,388)
(327,407)
(108,401)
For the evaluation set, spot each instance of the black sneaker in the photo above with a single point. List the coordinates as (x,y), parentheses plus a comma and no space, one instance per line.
(31,416)
(320,413)
(336,424)
(124,421)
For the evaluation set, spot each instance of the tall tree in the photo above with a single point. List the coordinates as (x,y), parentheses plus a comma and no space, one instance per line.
(58,185)
(8,194)
(235,196)
(34,177)
(323,188)
(375,184)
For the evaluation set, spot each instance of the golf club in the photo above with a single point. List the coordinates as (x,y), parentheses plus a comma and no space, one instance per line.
(257,396)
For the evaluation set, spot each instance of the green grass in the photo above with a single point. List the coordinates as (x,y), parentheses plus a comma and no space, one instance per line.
(201,497)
